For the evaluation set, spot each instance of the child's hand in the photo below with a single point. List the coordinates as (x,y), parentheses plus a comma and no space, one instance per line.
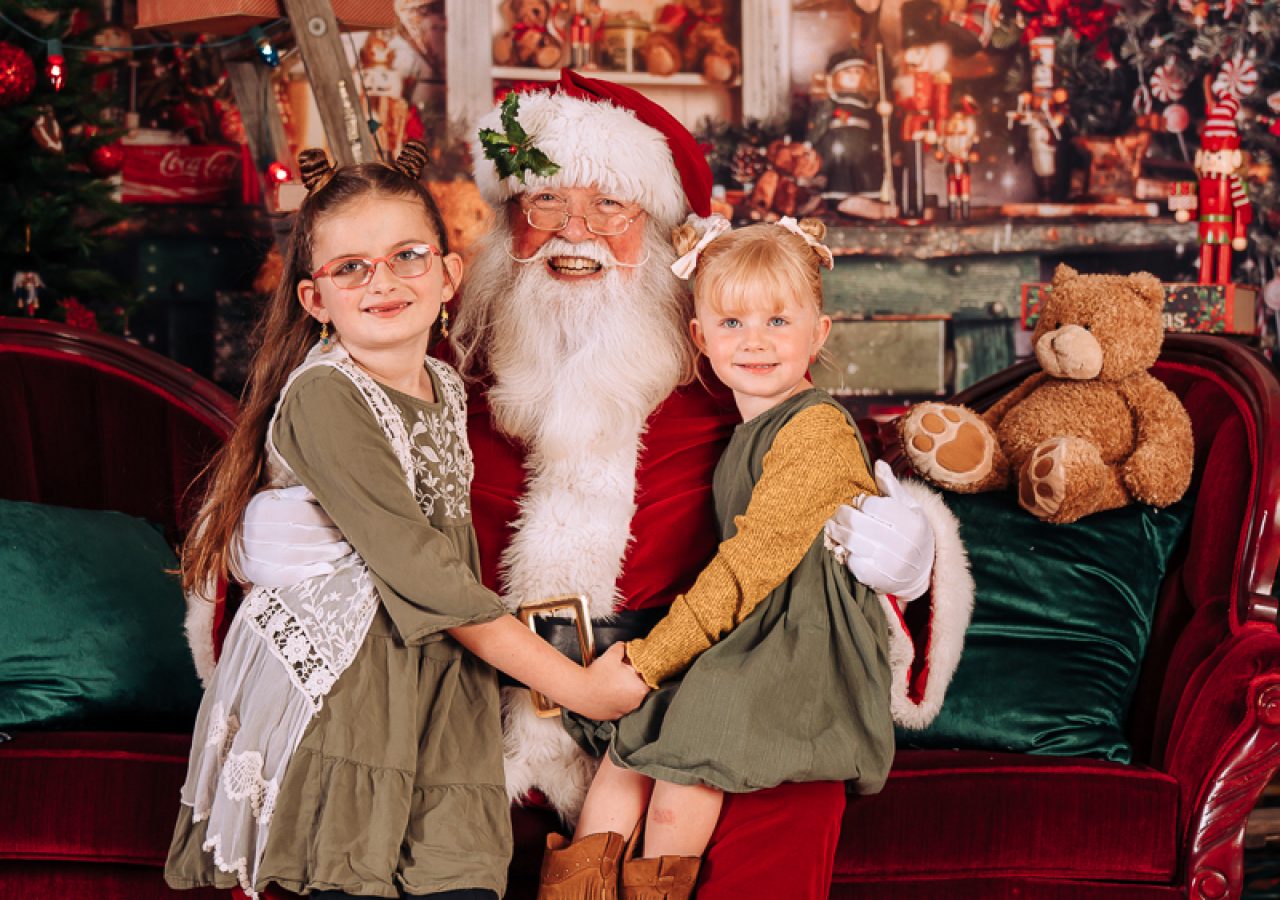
(615,687)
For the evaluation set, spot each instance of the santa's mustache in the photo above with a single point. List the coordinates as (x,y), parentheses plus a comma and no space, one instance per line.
(589,250)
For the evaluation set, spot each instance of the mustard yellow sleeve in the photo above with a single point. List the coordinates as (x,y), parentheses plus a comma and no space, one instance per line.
(814,465)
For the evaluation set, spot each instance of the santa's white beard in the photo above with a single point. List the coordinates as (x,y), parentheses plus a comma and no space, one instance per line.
(577,369)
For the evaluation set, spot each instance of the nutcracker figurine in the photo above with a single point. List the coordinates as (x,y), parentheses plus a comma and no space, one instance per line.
(922,94)
(956,150)
(1043,110)
(26,291)
(1224,208)
(842,126)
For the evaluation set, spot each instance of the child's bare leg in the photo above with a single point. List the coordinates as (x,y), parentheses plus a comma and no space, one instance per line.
(615,801)
(681,819)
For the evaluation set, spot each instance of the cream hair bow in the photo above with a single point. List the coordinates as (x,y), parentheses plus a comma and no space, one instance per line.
(823,251)
(716,226)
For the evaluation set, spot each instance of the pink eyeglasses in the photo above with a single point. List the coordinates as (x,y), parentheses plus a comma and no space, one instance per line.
(349,272)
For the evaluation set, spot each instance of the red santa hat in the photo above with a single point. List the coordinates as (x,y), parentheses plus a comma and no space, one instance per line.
(610,136)
(1220,131)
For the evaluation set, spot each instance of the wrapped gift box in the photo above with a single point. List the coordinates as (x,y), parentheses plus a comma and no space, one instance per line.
(181,173)
(1206,308)
(238,16)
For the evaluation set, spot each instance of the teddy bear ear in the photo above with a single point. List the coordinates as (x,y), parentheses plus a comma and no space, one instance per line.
(1149,289)
(1063,273)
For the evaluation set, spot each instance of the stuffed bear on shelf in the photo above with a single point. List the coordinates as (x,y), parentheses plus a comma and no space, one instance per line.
(1093,431)
(706,48)
(689,36)
(529,41)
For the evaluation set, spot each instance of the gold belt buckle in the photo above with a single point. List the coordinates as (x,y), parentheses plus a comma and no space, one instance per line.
(577,604)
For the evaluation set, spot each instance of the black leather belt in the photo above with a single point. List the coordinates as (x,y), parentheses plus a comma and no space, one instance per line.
(561,632)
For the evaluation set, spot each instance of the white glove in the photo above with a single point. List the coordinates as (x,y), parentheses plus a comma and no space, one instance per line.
(286,537)
(888,541)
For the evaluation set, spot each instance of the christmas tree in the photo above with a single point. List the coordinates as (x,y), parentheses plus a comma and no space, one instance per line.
(56,202)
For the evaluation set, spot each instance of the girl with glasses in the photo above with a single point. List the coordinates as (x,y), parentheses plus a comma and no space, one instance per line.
(349,741)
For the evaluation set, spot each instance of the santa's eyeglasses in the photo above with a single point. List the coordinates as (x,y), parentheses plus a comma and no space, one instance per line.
(550,213)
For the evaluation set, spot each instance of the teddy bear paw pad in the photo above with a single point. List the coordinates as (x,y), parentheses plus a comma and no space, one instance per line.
(948,443)
(1044,484)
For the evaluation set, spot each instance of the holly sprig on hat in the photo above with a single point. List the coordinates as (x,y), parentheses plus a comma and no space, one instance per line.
(513,153)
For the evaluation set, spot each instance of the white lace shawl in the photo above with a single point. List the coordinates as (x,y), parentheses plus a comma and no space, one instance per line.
(288,645)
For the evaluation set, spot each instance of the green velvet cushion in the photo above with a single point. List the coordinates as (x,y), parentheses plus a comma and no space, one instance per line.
(1060,625)
(90,623)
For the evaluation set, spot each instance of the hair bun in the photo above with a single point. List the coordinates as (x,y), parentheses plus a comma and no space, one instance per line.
(314,167)
(815,228)
(413,159)
(683,238)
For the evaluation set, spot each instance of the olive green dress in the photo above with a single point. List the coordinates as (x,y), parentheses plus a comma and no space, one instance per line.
(797,691)
(397,782)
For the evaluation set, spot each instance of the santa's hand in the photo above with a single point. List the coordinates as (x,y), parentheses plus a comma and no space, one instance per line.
(285,537)
(888,541)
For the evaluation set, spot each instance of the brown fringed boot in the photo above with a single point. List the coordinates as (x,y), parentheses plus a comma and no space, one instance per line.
(586,869)
(660,878)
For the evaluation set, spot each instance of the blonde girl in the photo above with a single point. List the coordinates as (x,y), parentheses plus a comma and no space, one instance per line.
(774,666)
(348,743)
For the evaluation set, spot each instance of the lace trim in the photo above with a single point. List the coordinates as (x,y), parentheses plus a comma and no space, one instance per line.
(287,638)
(242,779)
(238,866)
(222,730)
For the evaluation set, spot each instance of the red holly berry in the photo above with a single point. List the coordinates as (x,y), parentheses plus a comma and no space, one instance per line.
(513,149)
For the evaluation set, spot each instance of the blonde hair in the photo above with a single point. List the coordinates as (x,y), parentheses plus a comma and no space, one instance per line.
(750,267)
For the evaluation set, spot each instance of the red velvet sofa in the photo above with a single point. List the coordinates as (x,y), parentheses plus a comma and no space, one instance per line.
(95,422)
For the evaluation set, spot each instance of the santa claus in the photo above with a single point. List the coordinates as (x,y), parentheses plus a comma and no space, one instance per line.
(595,437)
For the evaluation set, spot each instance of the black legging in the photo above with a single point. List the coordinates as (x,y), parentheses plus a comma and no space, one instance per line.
(463,894)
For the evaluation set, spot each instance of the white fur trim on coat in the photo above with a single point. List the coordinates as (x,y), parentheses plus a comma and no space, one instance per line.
(594,143)
(951,605)
(199,628)
(571,535)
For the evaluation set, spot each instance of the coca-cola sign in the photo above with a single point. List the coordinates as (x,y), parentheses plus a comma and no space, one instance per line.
(178,173)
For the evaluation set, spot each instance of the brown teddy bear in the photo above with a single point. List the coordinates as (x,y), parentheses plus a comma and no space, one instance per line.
(661,49)
(1093,431)
(528,42)
(706,49)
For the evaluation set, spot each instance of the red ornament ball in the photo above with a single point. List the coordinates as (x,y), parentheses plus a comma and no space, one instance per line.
(106,160)
(17,74)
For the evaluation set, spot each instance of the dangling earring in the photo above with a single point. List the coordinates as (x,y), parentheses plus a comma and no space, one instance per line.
(444,320)
(324,336)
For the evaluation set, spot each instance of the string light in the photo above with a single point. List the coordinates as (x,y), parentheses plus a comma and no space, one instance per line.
(269,54)
(278,173)
(160,45)
(55,67)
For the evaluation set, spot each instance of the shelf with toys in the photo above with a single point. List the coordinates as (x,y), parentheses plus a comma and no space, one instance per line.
(635,79)
(720,60)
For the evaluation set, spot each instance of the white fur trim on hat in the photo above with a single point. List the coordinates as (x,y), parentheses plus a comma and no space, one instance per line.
(951,601)
(594,143)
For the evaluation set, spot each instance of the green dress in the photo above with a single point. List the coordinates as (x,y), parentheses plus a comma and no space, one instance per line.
(397,781)
(798,691)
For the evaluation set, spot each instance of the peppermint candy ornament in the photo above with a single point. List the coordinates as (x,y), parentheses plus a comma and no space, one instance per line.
(1237,77)
(1167,83)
